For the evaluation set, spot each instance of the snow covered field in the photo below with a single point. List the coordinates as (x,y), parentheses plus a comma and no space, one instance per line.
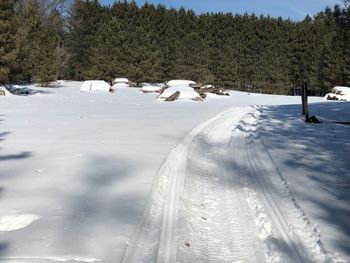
(111,177)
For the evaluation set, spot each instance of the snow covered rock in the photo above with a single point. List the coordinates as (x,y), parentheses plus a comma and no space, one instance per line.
(179,82)
(151,88)
(4,91)
(186,92)
(122,83)
(339,93)
(204,90)
(120,80)
(95,85)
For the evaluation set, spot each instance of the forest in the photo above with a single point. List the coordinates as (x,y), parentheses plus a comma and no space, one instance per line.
(45,40)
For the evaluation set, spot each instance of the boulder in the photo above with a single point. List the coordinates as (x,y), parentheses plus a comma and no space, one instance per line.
(196,86)
(210,89)
(174,96)
(2,93)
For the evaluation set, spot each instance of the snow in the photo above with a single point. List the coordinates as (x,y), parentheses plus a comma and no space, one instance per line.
(7,93)
(341,90)
(150,88)
(120,86)
(340,93)
(107,172)
(95,85)
(120,80)
(179,82)
(186,93)
(14,222)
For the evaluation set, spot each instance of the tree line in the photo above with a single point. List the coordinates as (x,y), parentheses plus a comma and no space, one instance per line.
(46,40)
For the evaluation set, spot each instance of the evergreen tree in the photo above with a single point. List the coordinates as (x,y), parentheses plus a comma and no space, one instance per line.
(152,43)
(38,43)
(45,56)
(7,39)
(28,23)
(84,20)
(105,51)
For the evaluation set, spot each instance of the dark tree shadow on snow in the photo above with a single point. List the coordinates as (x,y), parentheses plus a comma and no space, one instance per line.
(318,154)
(4,245)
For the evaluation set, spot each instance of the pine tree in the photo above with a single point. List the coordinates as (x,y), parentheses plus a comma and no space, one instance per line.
(106,51)
(7,39)
(28,22)
(83,22)
(46,57)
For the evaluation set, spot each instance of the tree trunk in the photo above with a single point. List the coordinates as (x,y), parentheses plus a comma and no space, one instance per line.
(305,106)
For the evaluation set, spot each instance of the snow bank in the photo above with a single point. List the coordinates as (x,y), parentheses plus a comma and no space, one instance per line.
(339,93)
(180,82)
(186,92)
(95,85)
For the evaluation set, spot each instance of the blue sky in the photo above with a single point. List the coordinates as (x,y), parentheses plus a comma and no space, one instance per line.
(294,9)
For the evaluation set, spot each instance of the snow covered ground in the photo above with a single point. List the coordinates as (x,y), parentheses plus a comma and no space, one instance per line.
(106,177)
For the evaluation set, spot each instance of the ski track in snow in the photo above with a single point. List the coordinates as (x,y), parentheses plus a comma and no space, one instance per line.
(219,197)
(48,260)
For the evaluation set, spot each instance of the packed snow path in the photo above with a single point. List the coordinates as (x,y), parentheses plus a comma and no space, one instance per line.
(219,197)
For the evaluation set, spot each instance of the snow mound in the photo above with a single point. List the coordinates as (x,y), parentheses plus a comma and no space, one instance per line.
(15,222)
(179,82)
(341,90)
(151,88)
(95,85)
(339,93)
(186,92)
(121,80)
(120,85)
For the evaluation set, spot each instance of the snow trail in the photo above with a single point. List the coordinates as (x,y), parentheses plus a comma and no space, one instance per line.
(215,216)
(289,235)
(219,197)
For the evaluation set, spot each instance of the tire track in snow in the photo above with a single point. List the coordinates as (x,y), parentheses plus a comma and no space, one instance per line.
(213,201)
(297,238)
(155,238)
(215,217)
